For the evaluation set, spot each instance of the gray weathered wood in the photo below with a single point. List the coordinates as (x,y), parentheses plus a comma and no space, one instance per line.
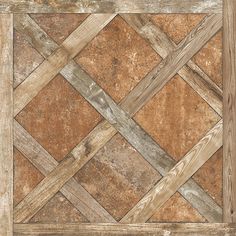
(72,190)
(111,6)
(6,116)
(229,68)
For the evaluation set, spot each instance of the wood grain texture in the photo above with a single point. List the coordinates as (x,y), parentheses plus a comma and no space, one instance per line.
(76,41)
(191,73)
(72,190)
(229,152)
(104,132)
(177,176)
(126,229)
(111,6)
(6,117)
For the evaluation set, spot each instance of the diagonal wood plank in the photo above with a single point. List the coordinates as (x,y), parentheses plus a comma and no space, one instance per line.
(111,6)
(177,176)
(72,190)
(6,116)
(103,132)
(43,74)
(191,73)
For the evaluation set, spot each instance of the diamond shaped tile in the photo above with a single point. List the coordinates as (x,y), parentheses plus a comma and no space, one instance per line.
(58,211)
(58,117)
(118,58)
(177,26)
(59,26)
(176,117)
(117,177)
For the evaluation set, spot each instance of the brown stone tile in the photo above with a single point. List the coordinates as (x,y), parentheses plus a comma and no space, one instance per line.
(177,209)
(59,26)
(58,211)
(117,177)
(26,58)
(58,117)
(177,26)
(210,176)
(118,58)
(209,58)
(26,177)
(176,117)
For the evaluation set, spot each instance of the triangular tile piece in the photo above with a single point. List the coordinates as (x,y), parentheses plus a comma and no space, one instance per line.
(118,58)
(177,26)
(26,177)
(210,176)
(58,210)
(59,26)
(177,118)
(177,209)
(209,58)
(58,117)
(117,177)
(26,58)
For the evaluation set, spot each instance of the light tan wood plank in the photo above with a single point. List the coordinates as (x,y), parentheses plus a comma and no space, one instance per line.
(72,190)
(6,116)
(177,176)
(229,75)
(184,229)
(191,73)
(112,6)
(76,41)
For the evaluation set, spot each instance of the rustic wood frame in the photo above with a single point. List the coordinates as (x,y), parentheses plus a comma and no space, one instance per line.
(129,225)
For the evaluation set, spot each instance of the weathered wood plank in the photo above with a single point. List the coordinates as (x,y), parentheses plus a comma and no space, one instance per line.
(72,190)
(76,41)
(6,116)
(177,176)
(191,73)
(229,68)
(104,131)
(111,6)
(186,229)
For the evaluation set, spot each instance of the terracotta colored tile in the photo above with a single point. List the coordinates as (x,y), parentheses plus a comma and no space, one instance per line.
(58,117)
(59,26)
(118,58)
(26,58)
(176,118)
(26,177)
(117,177)
(210,176)
(177,26)
(58,210)
(209,58)
(177,209)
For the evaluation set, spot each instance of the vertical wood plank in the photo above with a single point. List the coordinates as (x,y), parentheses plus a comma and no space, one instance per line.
(229,112)
(6,114)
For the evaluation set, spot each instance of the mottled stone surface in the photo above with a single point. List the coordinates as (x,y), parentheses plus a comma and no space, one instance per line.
(117,177)
(118,58)
(58,211)
(26,58)
(59,26)
(58,117)
(26,177)
(177,118)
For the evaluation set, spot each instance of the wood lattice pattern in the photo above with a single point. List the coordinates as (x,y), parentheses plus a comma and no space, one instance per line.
(113,113)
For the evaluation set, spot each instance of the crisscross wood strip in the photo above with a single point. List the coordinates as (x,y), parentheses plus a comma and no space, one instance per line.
(111,6)
(163,229)
(6,116)
(103,132)
(72,190)
(177,176)
(191,73)
(42,75)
